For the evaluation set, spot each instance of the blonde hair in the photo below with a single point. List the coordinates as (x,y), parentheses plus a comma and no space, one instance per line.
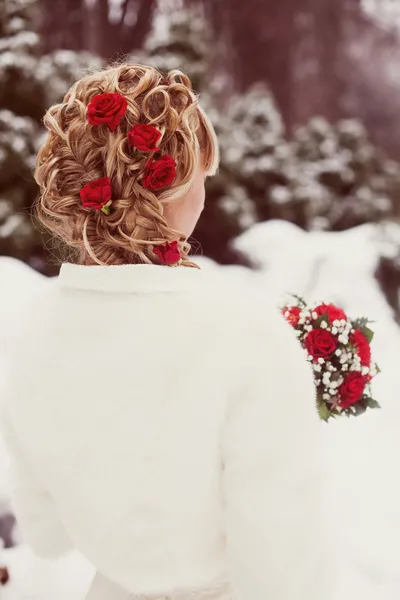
(76,153)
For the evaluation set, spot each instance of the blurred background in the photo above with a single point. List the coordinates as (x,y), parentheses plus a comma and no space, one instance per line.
(305,98)
(304,95)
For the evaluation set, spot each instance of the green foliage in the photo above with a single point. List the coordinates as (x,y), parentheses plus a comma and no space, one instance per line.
(323,411)
(360,323)
(300,301)
(367,333)
(371,403)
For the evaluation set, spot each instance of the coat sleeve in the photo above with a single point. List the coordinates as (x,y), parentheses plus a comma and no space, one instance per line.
(34,507)
(273,480)
(105,589)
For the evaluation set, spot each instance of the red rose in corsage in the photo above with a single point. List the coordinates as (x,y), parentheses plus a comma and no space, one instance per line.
(159,172)
(334,313)
(144,138)
(107,109)
(97,195)
(292,315)
(320,343)
(363,348)
(352,389)
(168,253)
(339,351)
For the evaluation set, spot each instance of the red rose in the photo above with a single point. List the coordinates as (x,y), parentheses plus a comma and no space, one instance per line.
(334,313)
(159,173)
(97,194)
(107,109)
(144,138)
(363,348)
(320,343)
(352,389)
(168,253)
(292,315)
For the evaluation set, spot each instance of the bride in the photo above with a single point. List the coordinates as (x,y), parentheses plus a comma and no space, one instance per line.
(158,419)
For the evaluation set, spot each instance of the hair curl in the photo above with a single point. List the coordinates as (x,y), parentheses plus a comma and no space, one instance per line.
(75,153)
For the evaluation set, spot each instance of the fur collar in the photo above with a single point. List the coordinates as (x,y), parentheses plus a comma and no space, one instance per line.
(128,278)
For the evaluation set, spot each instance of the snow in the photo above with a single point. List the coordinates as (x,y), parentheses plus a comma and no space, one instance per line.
(362,464)
(385,12)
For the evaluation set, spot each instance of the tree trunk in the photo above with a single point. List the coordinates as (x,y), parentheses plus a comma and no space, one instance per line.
(330,31)
(98,28)
(135,37)
(115,40)
(64,27)
(261,33)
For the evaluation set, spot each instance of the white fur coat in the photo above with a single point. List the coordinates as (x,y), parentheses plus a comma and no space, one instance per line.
(163,423)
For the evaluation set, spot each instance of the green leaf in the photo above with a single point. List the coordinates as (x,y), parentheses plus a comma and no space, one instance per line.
(317,322)
(358,409)
(371,403)
(367,333)
(302,303)
(360,323)
(323,411)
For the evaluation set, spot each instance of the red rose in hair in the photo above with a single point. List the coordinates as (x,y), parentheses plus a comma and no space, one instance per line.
(334,313)
(107,109)
(144,138)
(363,348)
(159,173)
(352,389)
(97,195)
(320,343)
(168,253)
(292,315)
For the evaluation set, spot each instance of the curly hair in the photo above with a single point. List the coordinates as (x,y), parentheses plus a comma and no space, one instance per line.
(75,153)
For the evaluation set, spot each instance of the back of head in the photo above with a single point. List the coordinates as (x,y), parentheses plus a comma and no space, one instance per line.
(80,150)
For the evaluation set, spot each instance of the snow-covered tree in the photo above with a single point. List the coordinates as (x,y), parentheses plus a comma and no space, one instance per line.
(257,155)
(181,39)
(20,94)
(252,145)
(29,83)
(385,12)
(343,177)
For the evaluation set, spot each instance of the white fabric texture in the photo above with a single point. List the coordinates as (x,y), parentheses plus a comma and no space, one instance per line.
(163,422)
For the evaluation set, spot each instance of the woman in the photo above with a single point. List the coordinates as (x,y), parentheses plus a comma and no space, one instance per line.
(159,420)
